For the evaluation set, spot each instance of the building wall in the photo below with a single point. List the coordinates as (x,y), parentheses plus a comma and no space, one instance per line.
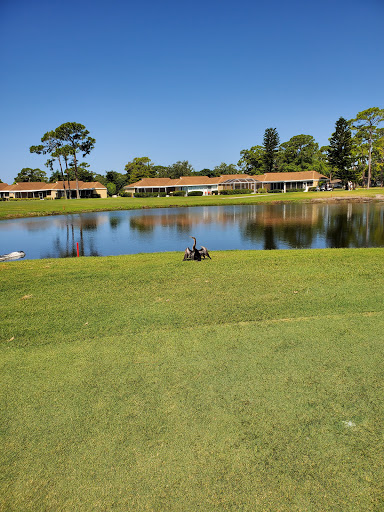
(103,192)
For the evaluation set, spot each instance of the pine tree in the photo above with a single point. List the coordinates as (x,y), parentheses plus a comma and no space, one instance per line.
(271,143)
(340,150)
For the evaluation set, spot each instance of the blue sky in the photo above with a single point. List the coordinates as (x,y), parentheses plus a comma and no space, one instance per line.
(174,80)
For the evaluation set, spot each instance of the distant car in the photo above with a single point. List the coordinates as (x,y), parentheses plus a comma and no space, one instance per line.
(337,185)
(325,188)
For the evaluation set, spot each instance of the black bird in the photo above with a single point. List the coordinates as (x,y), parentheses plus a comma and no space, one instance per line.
(196,254)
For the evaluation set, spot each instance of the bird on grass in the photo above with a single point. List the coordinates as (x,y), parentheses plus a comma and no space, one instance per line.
(196,254)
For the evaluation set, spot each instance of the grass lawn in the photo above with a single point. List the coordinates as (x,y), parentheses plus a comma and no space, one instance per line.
(12,209)
(250,382)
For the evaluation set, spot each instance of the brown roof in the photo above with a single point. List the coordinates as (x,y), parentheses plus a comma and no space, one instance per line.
(25,186)
(83,185)
(292,176)
(4,186)
(195,180)
(153,182)
(34,186)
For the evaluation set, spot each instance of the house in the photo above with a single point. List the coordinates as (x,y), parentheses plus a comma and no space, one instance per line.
(4,193)
(41,190)
(286,181)
(276,181)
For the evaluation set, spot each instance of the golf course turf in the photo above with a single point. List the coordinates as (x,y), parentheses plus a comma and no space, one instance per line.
(249,382)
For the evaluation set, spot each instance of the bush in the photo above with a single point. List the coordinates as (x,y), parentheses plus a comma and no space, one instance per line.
(215,192)
(195,193)
(235,192)
(295,189)
(162,194)
(178,193)
(125,194)
(262,191)
(146,194)
(312,189)
(276,191)
(24,199)
(111,188)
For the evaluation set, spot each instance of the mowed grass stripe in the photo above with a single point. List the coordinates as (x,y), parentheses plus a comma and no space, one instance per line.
(57,300)
(251,417)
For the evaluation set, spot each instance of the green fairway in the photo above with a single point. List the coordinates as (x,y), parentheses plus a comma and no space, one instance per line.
(26,208)
(250,382)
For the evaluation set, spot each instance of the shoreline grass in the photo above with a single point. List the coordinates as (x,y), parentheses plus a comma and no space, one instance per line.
(28,208)
(249,382)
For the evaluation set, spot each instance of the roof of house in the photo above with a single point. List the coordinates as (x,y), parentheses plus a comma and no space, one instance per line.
(35,186)
(153,182)
(291,176)
(195,180)
(4,186)
(27,186)
(83,185)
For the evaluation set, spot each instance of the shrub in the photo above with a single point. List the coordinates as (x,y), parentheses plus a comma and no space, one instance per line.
(295,189)
(235,192)
(215,192)
(262,190)
(178,193)
(312,189)
(195,193)
(275,191)
(125,194)
(24,199)
(146,194)
(111,188)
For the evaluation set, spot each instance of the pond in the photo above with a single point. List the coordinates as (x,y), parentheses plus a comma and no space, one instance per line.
(272,226)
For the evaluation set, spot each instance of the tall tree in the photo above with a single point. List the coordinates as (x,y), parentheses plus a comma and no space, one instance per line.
(298,154)
(224,168)
(161,171)
(54,147)
(76,136)
(271,143)
(138,168)
(339,152)
(252,160)
(180,168)
(206,172)
(116,178)
(366,126)
(67,140)
(378,153)
(321,165)
(28,174)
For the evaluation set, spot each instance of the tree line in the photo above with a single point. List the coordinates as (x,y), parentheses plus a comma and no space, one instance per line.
(355,153)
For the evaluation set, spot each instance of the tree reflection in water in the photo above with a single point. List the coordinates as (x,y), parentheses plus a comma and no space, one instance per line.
(74,227)
(346,225)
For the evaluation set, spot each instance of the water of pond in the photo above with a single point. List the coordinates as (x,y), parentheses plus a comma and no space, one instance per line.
(272,226)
